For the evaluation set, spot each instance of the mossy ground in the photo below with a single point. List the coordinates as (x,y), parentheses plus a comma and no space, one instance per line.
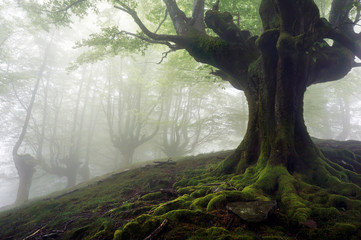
(132,204)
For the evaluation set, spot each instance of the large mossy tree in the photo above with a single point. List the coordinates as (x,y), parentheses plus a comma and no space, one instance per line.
(296,49)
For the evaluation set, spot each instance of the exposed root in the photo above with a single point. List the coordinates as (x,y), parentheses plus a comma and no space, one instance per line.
(326,195)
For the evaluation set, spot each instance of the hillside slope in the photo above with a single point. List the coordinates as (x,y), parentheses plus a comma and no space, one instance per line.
(166,200)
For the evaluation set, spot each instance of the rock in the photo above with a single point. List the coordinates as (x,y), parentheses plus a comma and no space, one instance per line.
(254,211)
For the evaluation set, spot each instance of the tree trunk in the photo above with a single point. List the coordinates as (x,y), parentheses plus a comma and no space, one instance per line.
(277,146)
(345,118)
(25,166)
(72,166)
(276,133)
(127,156)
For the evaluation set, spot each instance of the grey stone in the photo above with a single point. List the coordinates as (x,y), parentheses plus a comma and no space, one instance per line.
(254,211)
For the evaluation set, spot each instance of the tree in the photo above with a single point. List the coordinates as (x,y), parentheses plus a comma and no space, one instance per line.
(274,70)
(331,109)
(130,110)
(25,163)
(186,123)
(66,135)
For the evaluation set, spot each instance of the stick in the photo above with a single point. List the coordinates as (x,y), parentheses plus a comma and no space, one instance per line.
(158,230)
(34,233)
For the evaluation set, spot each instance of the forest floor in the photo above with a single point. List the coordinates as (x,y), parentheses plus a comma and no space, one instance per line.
(176,199)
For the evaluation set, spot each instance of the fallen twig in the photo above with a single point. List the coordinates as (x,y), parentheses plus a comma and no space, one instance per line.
(34,233)
(158,230)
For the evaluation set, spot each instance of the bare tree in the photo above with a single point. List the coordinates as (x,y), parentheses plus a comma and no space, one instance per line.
(183,127)
(129,113)
(25,163)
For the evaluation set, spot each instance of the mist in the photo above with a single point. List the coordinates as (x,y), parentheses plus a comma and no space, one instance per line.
(97,110)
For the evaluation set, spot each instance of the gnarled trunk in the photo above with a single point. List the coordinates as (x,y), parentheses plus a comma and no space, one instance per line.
(25,165)
(276,132)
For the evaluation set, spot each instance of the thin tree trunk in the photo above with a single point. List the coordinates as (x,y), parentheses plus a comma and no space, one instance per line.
(345,118)
(25,163)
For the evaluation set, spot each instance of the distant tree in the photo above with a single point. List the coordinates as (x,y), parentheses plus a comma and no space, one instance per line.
(181,130)
(331,109)
(25,163)
(130,111)
(66,146)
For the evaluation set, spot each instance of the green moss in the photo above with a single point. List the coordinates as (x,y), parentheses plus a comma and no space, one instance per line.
(78,233)
(199,193)
(152,196)
(297,207)
(218,233)
(216,202)
(301,214)
(320,197)
(103,231)
(269,178)
(181,202)
(202,202)
(194,191)
(185,216)
(343,230)
(250,193)
(325,213)
(337,201)
(138,228)
(185,190)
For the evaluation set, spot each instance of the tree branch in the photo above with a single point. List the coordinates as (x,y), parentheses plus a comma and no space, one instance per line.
(179,19)
(161,23)
(356,64)
(226,29)
(171,46)
(165,54)
(198,15)
(159,37)
(69,6)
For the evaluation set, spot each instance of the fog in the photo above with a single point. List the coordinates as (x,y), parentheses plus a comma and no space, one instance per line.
(95,111)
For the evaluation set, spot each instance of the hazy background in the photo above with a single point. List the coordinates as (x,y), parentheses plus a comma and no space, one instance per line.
(123,109)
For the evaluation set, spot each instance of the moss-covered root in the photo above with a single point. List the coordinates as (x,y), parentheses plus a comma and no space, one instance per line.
(276,181)
(299,199)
